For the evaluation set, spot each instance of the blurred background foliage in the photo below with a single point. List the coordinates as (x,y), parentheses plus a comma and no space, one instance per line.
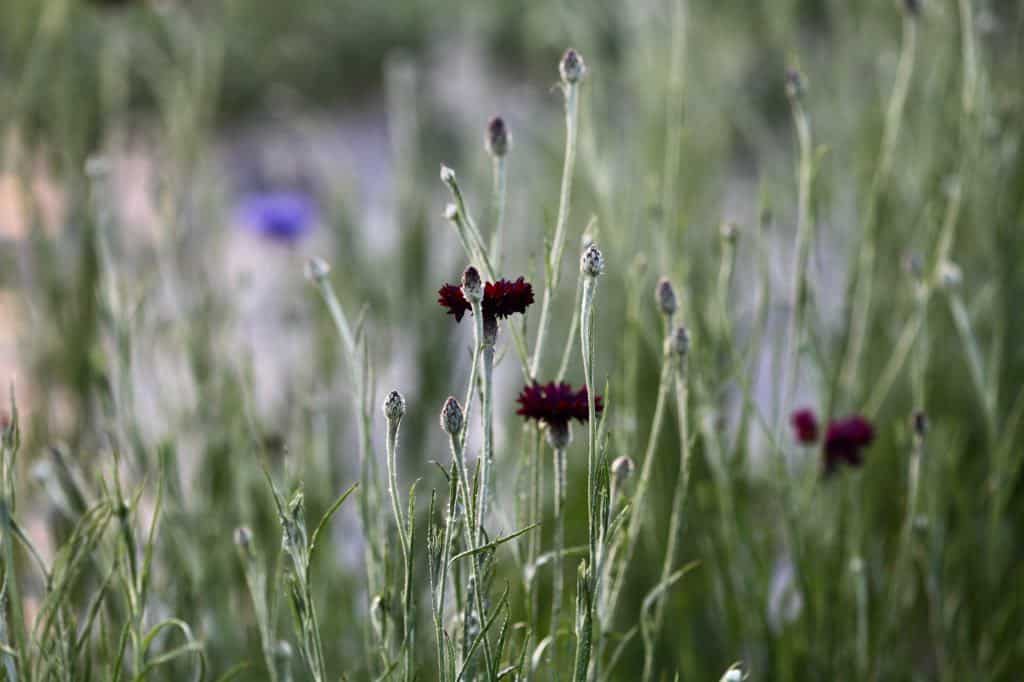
(143,320)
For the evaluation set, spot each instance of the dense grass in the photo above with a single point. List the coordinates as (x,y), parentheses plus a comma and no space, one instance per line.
(197,478)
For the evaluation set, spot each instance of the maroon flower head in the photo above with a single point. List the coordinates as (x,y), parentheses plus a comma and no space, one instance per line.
(555,404)
(845,441)
(805,426)
(501,299)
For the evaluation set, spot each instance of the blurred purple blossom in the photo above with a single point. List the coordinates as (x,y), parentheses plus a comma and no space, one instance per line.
(282,216)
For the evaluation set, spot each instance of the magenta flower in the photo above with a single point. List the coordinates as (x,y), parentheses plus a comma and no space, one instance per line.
(845,441)
(805,426)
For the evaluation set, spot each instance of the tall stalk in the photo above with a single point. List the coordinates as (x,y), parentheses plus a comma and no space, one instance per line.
(572,70)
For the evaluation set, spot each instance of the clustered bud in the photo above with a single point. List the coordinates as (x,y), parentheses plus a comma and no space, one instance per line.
(472,285)
(592,262)
(394,406)
(497,140)
(571,68)
(665,294)
(451,416)
(317,270)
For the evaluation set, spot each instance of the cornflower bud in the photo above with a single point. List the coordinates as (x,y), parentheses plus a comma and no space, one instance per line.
(571,68)
(447,175)
(472,285)
(394,406)
(665,294)
(592,262)
(497,140)
(317,270)
(451,416)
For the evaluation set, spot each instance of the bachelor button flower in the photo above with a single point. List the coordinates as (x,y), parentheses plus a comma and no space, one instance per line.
(805,426)
(501,299)
(554,406)
(845,440)
(281,216)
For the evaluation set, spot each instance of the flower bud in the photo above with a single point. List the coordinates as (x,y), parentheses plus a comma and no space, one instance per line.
(451,416)
(451,212)
(919,421)
(730,232)
(472,285)
(665,294)
(243,540)
(394,406)
(497,139)
(678,342)
(559,435)
(317,270)
(447,175)
(592,262)
(795,86)
(571,68)
(950,275)
(379,616)
(913,7)
(733,674)
(622,469)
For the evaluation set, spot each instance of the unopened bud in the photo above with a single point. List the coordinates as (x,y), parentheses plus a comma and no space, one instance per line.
(571,68)
(394,406)
(919,421)
(732,675)
(730,232)
(559,435)
(447,175)
(243,540)
(472,285)
(451,212)
(795,86)
(622,469)
(592,262)
(317,270)
(497,140)
(665,294)
(379,616)
(913,7)
(950,275)
(451,416)
(678,341)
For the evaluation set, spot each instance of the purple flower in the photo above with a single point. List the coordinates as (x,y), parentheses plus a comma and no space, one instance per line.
(805,426)
(845,440)
(281,216)
(556,404)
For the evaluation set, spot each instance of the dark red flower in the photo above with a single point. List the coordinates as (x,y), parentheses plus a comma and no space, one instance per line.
(845,441)
(501,299)
(450,296)
(805,426)
(555,404)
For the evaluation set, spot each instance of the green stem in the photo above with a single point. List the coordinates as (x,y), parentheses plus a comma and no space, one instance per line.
(571,91)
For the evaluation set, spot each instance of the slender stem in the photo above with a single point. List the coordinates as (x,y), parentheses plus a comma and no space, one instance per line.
(558,579)
(498,194)
(639,494)
(863,272)
(678,498)
(571,91)
(487,417)
(804,228)
(392,463)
